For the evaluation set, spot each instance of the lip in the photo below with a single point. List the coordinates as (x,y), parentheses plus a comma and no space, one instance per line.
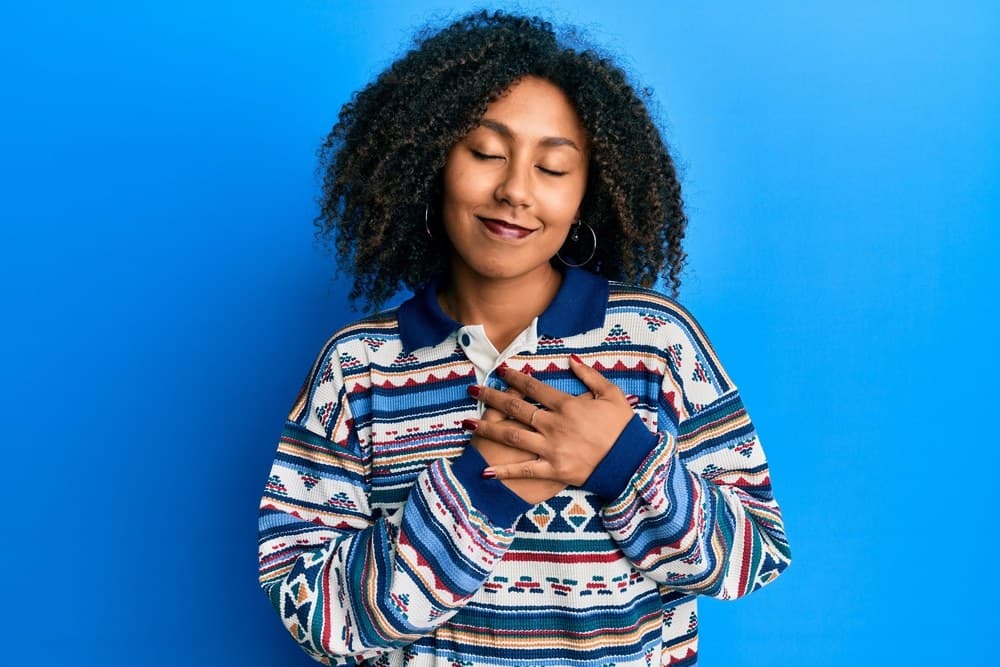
(504,229)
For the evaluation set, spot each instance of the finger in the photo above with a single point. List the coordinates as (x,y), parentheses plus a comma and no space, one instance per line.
(514,393)
(507,402)
(493,414)
(533,388)
(507,433)
(599,386)
(537,469)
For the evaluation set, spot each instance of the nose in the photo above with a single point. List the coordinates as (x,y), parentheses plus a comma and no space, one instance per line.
(514,187)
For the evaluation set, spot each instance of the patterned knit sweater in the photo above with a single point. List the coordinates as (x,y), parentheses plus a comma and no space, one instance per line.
(381,544)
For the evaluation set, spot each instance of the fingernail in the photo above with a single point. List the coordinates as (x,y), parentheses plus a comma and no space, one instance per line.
(470,424)
(632,399)
(489,474)
(502,370)
(576,358)
(474,391)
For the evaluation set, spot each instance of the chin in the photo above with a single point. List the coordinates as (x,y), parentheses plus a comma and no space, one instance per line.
(500,268)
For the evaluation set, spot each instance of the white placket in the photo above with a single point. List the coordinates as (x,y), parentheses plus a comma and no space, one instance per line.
(484,356)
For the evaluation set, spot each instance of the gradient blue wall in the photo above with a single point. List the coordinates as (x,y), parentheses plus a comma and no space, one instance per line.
(163,300)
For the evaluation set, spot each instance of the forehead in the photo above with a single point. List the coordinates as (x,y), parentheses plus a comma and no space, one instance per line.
(534,109)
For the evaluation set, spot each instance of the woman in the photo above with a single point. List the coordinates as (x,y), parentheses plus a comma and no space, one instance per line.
(526,463)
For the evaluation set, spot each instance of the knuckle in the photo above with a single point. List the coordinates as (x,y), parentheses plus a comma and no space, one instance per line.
(513,407)
(527,471)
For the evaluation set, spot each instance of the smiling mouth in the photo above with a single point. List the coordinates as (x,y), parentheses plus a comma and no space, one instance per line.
(504,229)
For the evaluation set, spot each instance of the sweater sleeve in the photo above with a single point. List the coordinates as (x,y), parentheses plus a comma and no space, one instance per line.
(348,582)
(698,514)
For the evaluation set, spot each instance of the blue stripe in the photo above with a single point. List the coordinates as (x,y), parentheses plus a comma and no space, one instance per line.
(510,654)
(553,616)
(325,509)
(459,574)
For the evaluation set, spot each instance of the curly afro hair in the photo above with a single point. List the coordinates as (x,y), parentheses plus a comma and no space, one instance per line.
(381,163)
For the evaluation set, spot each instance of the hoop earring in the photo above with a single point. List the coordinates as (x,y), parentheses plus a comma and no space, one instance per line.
(427,226)
(574,237)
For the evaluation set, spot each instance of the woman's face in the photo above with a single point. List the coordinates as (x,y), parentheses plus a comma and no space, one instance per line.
(513,186)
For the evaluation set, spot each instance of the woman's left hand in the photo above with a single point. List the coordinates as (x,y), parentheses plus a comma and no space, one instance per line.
(571,434)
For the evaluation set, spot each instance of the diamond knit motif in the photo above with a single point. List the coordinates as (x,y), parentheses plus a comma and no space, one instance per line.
(309,480)
(617,336)
(348,361)
(373,343)
(404,359)
(654,322)
(549,343)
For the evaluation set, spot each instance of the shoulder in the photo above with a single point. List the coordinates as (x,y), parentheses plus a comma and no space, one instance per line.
(346,353)
(654,308)
(353,344)
(382,325)
(664,323)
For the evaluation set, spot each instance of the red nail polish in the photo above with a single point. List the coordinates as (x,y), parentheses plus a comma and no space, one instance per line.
(632,399)
(474,391)
(576,358)
(489,474)
(470,424)
(502,370)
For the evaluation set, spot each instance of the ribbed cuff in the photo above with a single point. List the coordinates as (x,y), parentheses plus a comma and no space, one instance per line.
(490,496)
(613,473)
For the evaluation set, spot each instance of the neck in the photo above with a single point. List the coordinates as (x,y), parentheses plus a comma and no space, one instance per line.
(504,306)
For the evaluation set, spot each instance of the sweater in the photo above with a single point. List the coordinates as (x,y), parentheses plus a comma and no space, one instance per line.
(381,544)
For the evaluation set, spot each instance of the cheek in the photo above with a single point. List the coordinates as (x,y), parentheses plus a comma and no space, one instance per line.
(457,186)
(563,202)
(465,182)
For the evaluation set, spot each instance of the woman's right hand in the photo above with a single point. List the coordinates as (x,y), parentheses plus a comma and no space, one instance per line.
(532,491)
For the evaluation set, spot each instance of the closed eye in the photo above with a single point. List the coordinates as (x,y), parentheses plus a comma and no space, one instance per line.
(551,172)
(484,156)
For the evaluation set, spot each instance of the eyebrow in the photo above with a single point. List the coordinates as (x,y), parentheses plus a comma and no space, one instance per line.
(504,131)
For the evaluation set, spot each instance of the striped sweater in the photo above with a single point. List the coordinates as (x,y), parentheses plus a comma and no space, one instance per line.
(381,544)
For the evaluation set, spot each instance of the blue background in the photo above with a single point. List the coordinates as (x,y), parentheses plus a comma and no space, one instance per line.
(163,300)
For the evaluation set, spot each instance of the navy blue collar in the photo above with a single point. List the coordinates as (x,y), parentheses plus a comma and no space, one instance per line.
(579,306)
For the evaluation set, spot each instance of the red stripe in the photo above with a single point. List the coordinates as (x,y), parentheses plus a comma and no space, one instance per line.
(325,582)
(542,557)
(747,554)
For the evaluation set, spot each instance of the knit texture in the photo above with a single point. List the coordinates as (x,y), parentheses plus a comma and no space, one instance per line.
(380,543)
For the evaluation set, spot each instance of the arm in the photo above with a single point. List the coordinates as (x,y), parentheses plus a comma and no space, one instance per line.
(706,522)
(346,583)
(698,514)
